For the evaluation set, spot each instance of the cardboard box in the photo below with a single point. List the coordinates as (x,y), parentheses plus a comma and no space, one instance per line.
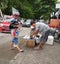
(30,43)
(22,42)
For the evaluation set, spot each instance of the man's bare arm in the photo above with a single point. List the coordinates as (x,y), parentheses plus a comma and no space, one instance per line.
(35,33)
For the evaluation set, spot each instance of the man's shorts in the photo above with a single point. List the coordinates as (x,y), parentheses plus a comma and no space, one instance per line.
(15,41)
(45,36)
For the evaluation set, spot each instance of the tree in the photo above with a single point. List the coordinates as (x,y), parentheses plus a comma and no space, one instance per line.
(3,4)
(44,8)
(30,8)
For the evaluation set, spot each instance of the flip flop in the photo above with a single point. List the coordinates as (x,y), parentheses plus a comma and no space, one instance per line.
(36,48)
(21,50)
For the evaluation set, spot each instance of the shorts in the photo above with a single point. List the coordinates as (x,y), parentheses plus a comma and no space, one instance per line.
(45,36)
(15,41)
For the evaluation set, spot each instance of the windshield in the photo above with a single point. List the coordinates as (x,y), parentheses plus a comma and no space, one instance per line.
(8,20)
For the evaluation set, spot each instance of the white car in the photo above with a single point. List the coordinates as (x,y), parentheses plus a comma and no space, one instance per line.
(27,23)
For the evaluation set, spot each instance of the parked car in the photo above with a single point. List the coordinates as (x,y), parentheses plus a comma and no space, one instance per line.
(4,25)
(27,23)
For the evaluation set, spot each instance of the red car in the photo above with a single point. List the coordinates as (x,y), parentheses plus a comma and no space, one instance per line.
(4,25)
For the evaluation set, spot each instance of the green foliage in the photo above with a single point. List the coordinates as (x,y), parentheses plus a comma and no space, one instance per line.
(29,8)
(3,4)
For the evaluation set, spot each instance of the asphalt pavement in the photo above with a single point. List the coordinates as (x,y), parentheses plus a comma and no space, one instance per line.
(49,54)
(6,54)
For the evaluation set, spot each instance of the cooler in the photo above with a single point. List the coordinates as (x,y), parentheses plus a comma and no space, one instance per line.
(50,40)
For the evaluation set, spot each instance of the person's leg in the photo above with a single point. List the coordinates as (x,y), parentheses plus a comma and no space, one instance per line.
(12,44)
(43,40)
(16,45)
(19,49)
(40,44)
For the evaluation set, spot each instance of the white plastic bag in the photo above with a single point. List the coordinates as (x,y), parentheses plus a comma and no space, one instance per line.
(26,37)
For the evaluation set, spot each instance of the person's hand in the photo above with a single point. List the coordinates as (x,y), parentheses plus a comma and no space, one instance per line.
(33,36)
(15,36)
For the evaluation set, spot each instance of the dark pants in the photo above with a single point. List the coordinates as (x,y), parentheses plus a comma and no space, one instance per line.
(45,36)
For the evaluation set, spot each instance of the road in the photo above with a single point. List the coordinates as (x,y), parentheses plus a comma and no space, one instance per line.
(49,55)
(5,39)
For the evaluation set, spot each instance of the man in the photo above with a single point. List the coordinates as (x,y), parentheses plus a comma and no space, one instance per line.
(44,30)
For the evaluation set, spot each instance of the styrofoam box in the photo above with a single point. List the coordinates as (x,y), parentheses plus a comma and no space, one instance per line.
(50,40)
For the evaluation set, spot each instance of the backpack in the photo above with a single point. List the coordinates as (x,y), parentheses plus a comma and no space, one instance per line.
(13,24)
